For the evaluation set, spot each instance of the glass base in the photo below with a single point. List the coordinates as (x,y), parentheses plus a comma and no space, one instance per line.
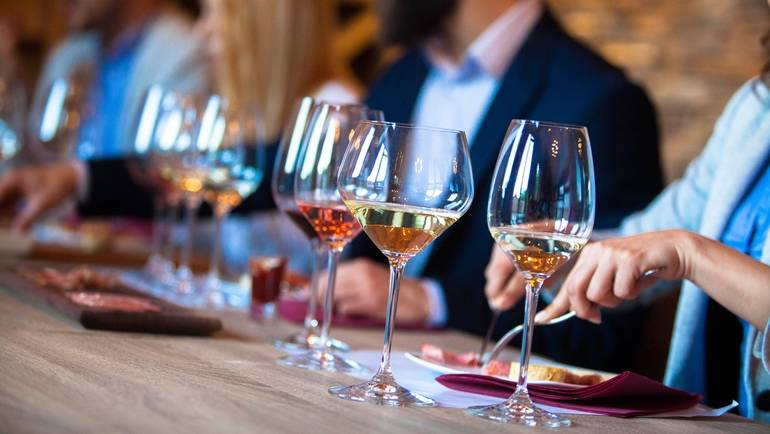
(185,281)
(213,298)
(520,410)
(308,341)
(322,361)
(382,390)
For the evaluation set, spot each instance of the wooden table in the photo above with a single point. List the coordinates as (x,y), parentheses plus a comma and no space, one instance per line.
(58,377)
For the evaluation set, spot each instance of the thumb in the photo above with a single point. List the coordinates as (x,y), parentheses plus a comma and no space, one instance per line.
(30,212)
(8,187)
(558,306)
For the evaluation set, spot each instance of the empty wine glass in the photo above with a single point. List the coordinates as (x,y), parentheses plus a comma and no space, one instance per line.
(315,190)
(234,160)
(157,125)
(62,123)
(11,118)
(284,171)
(184,163)
(406,185)
(540,213)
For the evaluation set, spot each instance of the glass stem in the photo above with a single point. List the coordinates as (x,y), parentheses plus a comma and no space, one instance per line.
(192,202)
(219,218)
(157,227)
(319,254)
(530,308)
(334,256)
(172,211)
(396,270)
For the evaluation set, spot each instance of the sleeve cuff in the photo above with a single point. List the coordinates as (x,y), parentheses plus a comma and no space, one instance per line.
(762,347)
(81,177)
(437,310)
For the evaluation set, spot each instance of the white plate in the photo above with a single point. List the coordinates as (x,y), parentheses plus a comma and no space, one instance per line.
(442,368)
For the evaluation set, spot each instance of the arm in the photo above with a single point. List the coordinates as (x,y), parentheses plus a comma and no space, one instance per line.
(611,271)
(29,192)
(679,206)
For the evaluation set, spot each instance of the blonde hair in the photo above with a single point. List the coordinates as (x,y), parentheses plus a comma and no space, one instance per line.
(271,52)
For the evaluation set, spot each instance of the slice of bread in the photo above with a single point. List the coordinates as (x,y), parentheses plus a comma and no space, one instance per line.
(552,373)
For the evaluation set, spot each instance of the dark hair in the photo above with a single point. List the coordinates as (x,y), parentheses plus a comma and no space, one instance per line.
(406,22)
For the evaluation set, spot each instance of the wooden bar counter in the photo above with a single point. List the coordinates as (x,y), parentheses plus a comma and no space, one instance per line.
(56,376)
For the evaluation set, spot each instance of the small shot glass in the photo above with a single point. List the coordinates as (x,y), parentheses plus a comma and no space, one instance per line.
(267,280)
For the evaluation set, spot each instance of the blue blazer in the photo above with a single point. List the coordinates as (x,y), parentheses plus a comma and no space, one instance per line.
(552,78)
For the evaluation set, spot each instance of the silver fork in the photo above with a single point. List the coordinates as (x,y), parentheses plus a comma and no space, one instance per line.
(503,342)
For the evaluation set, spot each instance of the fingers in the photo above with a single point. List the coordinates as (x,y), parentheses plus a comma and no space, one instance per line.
(512,292)
(33,208)
(577,285)
(558,306)
(600,290)
(360,286)
(9,184)
(503,287)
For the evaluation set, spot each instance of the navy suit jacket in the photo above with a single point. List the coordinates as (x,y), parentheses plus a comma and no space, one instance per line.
(552,78)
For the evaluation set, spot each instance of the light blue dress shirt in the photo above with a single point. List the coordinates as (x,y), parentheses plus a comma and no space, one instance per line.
(456,95)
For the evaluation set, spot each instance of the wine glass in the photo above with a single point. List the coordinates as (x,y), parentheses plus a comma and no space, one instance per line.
(157,124)
(283,194)
(11,118)
(540,213)
(406,185)
(63,124)
(184,164)
(315,191)
(232,139)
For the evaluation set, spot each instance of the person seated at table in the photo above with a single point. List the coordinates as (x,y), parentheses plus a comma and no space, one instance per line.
(474,65)
(123,47)
(248,45)
(710,228)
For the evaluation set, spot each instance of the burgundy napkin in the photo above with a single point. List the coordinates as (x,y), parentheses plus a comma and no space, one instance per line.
(294,310)
(624,395)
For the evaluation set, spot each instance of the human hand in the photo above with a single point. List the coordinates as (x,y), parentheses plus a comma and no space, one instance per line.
(611,271)
(504,286)
(36,189)
(362,290)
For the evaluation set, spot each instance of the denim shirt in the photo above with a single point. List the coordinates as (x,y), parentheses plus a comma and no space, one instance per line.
(107,94)
(746,231)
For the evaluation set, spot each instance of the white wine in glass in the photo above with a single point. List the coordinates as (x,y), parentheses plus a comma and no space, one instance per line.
(401,230)
(540,213)
(232,141)
(536,254)
(406,185)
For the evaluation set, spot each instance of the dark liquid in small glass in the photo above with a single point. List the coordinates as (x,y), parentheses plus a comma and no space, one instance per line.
(267,275)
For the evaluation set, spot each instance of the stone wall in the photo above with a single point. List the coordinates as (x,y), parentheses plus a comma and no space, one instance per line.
(691,55)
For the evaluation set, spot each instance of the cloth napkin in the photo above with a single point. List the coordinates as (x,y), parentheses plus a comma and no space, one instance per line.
(294,310)
(624,395)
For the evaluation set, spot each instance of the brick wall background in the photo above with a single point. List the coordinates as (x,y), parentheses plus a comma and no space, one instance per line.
(691,55)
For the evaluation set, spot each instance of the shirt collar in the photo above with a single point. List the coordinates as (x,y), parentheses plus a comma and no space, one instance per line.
(129,39)
(495,48)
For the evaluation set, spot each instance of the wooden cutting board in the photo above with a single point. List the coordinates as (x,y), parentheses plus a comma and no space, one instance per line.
(168,319)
